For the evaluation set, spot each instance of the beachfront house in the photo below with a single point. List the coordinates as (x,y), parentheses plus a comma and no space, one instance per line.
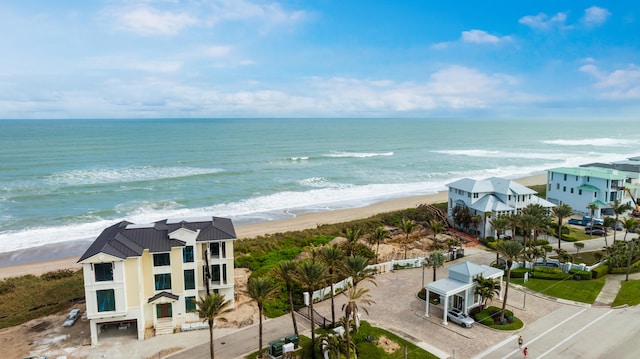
(490,198)
(580,187)
(146,278)
(457,291)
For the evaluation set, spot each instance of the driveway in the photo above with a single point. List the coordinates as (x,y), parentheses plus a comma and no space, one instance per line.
(399,310)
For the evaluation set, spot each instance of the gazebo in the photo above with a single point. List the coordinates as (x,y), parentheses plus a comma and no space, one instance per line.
(458,289)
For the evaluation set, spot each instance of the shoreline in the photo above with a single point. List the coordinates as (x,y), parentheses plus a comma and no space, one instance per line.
(59,256)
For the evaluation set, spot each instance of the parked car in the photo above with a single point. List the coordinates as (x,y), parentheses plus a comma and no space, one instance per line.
(596,232)
(72,318)
(457,316)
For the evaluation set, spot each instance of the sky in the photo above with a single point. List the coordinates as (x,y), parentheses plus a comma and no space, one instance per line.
(319,58)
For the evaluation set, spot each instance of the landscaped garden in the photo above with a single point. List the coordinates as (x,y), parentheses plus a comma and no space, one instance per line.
(371,343)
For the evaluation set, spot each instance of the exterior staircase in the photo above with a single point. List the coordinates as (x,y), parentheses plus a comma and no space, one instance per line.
(164,326)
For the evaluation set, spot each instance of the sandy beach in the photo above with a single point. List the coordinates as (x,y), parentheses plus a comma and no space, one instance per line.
(305,221)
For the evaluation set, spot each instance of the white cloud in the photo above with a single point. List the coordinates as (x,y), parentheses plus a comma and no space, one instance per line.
(595,16)
(482,37)
(270,13)
(622,84)
(542,21)
(146,20)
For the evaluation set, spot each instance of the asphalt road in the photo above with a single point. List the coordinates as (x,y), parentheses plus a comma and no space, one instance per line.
(574,332)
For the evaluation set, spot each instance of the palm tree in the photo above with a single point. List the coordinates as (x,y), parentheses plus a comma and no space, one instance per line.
(260,289)
(437,227)
(511,251)
(356,268)
(285,271)
(618,209)
(609,222)
(407,226)
(351,307)
(499,224)
(628,225)
(379,235)
(209,308)
(592,207)
(486,289)
(311,275)
(561,212)
(435,261)
(352,235)
(332,257)
(514,223)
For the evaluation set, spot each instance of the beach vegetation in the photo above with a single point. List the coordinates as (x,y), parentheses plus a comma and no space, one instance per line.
(29,297)
(284,272)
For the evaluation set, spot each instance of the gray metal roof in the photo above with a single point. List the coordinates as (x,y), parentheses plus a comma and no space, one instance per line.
(125,239)
(491,185)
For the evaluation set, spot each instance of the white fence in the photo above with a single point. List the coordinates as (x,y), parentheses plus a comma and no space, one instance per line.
(323,293)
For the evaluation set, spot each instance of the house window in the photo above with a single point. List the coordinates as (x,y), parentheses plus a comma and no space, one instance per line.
(106,300)
(587,179)
(549,187)
(190,304)
(187,254)
(163,281)
(564,189)
(218,250)
(215,273)
(161,259)
(580,192)
(595,194)
(103,272)
(163,310)
(565,176)
(475,195)
(224,273)
(558,186)
(189,279)
(571,189)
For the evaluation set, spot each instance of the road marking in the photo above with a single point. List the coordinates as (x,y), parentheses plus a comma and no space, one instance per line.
(576,333)
(545,332)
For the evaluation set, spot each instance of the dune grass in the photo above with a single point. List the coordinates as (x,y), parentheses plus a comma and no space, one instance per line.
(28,297)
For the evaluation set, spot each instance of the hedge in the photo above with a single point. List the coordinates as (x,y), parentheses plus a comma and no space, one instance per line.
(599,271)
(519,272)
(549,273)
(581,274)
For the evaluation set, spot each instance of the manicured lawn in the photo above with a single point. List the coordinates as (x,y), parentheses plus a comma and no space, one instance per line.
(585,291)
(368,349)
(628,294)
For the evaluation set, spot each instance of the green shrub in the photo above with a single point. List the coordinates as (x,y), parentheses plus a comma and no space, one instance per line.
(581,274)
(484,318)
(569,238)
(492,245)
(519,272)
(541,242)
(549,273)
(599,271)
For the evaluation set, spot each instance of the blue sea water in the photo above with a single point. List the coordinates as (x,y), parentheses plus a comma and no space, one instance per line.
(66,180)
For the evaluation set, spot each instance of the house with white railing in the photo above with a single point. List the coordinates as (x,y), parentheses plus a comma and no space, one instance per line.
(147,277)
(490,198)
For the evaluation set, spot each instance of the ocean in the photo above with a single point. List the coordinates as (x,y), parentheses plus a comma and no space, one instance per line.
(63,181)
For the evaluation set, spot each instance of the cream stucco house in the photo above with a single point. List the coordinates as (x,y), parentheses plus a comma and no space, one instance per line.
(149,276)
